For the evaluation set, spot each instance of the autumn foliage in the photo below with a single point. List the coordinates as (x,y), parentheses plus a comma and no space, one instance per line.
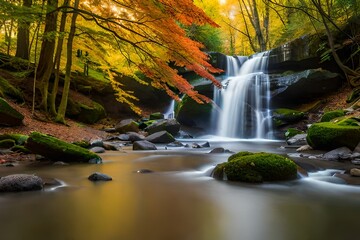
(149,37)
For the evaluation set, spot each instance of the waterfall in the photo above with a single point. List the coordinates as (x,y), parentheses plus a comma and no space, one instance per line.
(170,112)
(244,99)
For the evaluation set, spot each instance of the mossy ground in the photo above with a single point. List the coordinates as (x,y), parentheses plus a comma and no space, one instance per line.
(328,116)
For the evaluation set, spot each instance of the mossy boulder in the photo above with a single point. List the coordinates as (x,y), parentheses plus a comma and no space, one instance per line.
(8,115)
(89,112)
(127,125)
(328,116)
(291,132)
(172,126)
(19,139)
(283,116)
(7,143)
(257,167)
(8,90)
(57,150)
(156,116)
(332,135)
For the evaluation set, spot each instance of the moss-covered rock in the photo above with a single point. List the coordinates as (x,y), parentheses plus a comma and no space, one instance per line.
(127,125)
(7,143)
(58,150)
(257,167)
(8,115)
(291,132)
(20,149)
(8,90)
(19,139)
(283,116)
(90,112)
(331,135)
(328,116)
(156,116)
(172,126)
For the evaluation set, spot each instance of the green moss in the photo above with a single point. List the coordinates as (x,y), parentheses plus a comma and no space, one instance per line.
(239,154)
(55,149)
(352,121)
(82,143)
(6,89)
(291,132)
(218,172)
(329,135)
(157,115)
(8,115)
(20,139)
(328,116)
(288,115)
(20,149)
(7,143)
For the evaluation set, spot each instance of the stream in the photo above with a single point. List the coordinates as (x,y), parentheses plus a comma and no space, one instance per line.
(177,201)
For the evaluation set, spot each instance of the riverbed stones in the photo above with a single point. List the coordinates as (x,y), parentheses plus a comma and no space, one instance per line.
(20,182)
(298,139)
(338,154)
(144,145)
(355,172)
(160,137)
(97,176)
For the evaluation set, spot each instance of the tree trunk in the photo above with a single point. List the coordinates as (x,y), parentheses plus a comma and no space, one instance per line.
(57,60)
(46,62)
(23,36)
(64,98)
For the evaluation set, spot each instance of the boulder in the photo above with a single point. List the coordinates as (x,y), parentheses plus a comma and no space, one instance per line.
(175,144)
(86,112)
(256,167)
(160,137)
(330,135)
(338,154)
(57,150)
(156,116)
(97,149)
(144,145)
(283,116)
(99,177)
(133,136)
(298,139)
(8,115)
(328,116)
(172,126)
(127,125)
(20,182)
(291,132)
(355,172)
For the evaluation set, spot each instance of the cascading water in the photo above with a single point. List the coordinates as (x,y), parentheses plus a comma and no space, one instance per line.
(170,112)
(244,100)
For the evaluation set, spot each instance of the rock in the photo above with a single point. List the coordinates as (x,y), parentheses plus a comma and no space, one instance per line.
(123,137)
(99,177)
(133,136)
(109,130)
(143,145)
(60,163)
(97,149)
(355,161)
(304,148)
(127,125)
(337,154)
(328,116)
(357,148)
(170,125)
(160,137)
(96,143)
(20,182)
(111,146)
(201,145)
(86,112)
(283,116)
(175,144)
(257,167)
(329,135)
(291,132)
(184,135)
(7,143)
(156,116)
(218,150)
(8,115)
(57,150)
(299,139)
(355,172)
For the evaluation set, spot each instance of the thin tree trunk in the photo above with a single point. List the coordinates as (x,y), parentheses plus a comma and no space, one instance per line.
(57,60)
(64,98)
(46,62)
(23,36)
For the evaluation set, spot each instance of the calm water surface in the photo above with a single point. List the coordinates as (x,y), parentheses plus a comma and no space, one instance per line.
(178,201)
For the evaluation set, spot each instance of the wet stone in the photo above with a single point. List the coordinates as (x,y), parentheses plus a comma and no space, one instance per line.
(99,177)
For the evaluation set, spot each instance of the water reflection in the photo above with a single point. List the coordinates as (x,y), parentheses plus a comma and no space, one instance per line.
(178,201)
